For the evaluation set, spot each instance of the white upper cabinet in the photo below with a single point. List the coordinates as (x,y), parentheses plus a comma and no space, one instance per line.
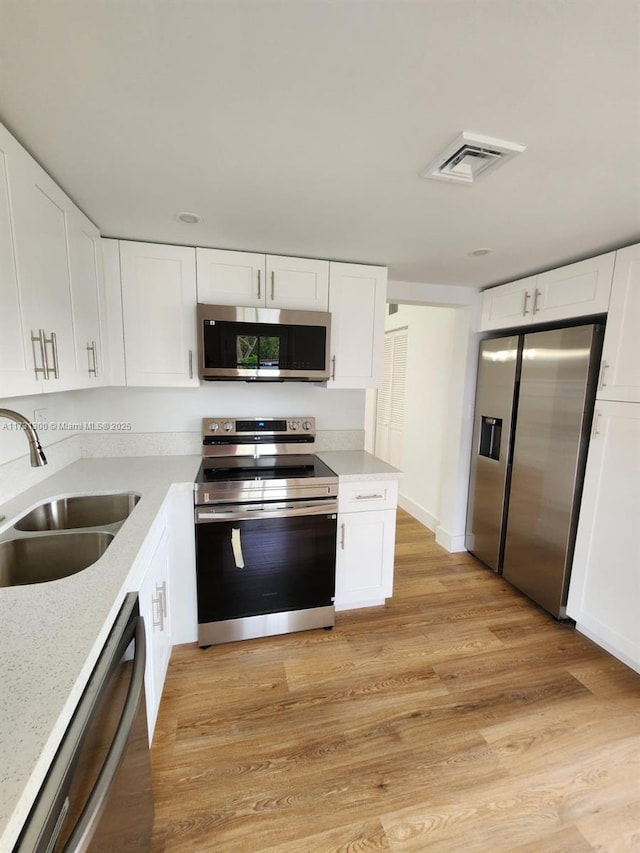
(87,286)
(620,369)
(40,218)
(576,290)
(297,283)
(256,280)
(159,314)
(230,278)
(50,279)
(17,366)
(507,305)
(357,298)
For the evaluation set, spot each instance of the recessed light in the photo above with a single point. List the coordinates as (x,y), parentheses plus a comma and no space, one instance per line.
(188,218)
(479,252)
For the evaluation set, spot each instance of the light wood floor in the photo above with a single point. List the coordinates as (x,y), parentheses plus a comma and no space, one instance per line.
(458,718)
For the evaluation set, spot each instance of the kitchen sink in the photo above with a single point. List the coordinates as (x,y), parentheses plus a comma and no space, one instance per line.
(35,559)
(79,511)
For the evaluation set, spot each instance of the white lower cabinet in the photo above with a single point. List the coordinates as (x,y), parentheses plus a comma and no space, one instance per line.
(604,594)
(365,543)
(154,599)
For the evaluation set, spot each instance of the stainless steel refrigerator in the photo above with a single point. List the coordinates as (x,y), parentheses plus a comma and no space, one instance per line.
(534,406)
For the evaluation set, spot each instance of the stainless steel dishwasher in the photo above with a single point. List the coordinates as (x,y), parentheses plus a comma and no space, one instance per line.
(97,795)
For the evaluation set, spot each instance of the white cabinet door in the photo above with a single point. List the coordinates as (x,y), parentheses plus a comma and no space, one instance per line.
(17,373)
(297,283)
(231,278)
(604,593)
(357,298)
(575,290)
(114,332)
(259,281)
(364,558)
(620,371)
(159,314)
(182,558)
(154,608)
(87,284)
(40,212)
(508,305)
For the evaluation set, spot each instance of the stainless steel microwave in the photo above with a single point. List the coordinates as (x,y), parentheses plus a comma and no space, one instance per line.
(263,344)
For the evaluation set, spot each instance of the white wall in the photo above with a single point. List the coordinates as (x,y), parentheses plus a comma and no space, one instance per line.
(435,485)
(427,389)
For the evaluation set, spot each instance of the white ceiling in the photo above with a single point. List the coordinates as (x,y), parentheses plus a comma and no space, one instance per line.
(300,126)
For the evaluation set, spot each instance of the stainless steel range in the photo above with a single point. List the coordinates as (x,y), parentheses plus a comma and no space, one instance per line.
(266,518)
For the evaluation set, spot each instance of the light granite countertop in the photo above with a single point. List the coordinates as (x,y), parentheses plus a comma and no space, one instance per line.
(352,465)
(51,634)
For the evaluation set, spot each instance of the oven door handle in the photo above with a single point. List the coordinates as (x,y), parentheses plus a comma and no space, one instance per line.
(284,509)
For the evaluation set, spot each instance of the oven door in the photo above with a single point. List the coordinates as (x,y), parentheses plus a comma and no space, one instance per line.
(258,559)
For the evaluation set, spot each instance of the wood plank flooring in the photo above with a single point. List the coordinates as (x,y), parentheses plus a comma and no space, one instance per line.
(460,717)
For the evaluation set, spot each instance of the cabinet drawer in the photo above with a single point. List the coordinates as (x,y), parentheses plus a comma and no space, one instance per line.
(367,495)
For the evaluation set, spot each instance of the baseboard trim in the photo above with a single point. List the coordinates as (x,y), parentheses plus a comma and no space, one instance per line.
(418,512)
(450,542)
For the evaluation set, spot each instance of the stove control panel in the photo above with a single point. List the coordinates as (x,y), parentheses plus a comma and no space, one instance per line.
(245,427)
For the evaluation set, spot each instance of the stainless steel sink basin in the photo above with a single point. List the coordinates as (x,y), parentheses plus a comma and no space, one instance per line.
(79,511)
(35,559)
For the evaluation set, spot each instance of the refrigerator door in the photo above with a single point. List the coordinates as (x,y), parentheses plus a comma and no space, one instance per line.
(491,432)
(554,415)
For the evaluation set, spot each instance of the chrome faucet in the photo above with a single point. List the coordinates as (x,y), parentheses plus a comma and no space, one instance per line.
(38,459)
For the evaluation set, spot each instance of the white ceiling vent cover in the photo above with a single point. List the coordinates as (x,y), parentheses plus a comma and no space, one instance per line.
(469,156)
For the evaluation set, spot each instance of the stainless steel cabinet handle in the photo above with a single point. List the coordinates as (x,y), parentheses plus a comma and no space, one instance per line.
(92,358)
(603,372)
(159,602)
(273,285)
(190,364)
(342,536)
(53,340)
(370,497)
(527,297)
(333,367)
(39,339)
(259,283)
(596,423)
(536,294)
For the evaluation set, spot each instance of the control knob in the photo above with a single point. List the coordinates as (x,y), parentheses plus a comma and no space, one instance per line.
(306,425)
(228,426)
(214,426)
(293,425)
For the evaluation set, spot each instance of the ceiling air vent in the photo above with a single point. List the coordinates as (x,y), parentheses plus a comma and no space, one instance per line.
(469,156)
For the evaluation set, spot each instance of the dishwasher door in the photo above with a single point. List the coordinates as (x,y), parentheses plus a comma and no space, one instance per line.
(97,795)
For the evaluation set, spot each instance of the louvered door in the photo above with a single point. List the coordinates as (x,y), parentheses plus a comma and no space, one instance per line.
(390,406)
